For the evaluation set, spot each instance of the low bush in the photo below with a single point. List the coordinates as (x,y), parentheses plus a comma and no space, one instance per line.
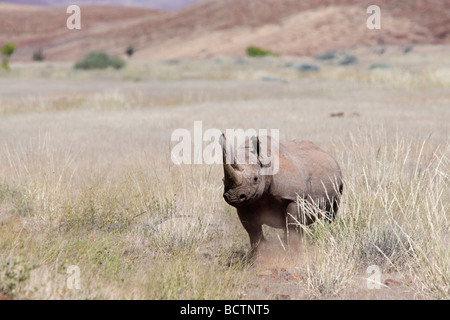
(348,60)
(99,60)
(258,52)
(130,51)
(38,55)
(6,51)
(326,56)
(307,67)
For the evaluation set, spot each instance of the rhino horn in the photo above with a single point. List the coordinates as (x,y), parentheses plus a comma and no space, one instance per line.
(232,176)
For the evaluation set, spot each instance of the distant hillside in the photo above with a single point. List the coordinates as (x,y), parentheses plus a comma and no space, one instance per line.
(223,27)
(155,4)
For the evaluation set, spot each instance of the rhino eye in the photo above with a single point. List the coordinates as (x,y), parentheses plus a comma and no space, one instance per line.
(255,179)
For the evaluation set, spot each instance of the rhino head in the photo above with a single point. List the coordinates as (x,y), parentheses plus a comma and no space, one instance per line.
(243,181)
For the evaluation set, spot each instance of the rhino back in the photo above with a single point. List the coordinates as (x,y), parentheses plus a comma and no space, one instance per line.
(305,169)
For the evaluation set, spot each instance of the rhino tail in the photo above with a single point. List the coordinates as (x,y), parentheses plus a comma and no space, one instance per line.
(333,205)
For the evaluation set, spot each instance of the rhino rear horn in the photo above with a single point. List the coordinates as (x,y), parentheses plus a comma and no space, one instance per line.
(262,152)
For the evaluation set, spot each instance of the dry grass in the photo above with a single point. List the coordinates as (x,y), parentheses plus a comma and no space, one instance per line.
(394,215)
(87,180)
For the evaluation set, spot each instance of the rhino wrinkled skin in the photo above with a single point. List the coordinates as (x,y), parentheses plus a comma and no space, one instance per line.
(304,170)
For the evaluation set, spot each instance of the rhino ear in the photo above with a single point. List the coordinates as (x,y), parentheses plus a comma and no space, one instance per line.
(223,141)
(263,151)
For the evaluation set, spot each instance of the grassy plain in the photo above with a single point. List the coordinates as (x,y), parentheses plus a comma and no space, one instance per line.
(86,179)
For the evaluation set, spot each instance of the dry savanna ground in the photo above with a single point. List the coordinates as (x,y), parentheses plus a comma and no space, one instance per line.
(86,180)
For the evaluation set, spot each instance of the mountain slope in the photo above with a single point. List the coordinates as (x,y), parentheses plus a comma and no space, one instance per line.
(224,27)
(155,4)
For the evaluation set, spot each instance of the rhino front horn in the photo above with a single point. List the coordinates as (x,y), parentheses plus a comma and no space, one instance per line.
(232,176)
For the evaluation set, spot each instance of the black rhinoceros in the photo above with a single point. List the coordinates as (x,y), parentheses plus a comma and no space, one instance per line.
(302,170)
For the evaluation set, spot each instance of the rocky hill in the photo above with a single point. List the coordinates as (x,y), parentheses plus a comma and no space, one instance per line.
(222,27)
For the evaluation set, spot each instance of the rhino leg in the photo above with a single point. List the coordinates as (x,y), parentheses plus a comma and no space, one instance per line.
(293,232)
(256,235)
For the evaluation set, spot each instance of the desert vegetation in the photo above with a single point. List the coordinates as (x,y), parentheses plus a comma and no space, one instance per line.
(99,60)
(253,51)
(7,50)
(130,51)
(38,55)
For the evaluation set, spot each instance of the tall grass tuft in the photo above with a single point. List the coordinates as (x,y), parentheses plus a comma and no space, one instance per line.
(394,214)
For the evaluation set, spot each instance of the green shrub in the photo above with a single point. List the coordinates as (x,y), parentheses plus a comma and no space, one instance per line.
(116,63)
(5,64)
(7,50)
(258,52)
(99,60)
